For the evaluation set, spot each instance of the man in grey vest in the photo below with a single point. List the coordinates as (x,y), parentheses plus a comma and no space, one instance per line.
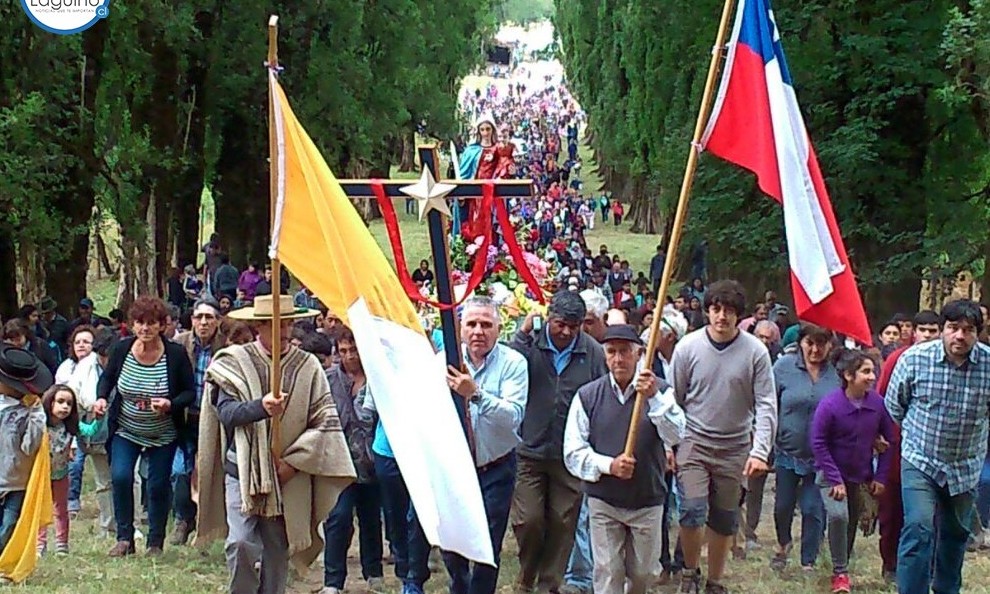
(625,493)
(560,359)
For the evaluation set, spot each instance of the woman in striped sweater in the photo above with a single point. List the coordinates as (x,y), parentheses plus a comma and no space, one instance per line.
(144,390)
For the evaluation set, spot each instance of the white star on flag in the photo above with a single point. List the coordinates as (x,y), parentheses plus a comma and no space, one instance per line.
(429,194)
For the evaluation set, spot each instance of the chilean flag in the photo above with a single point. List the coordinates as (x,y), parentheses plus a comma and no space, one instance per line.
(756,123)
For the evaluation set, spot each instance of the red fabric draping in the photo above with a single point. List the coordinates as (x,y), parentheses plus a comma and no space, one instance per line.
(395,240)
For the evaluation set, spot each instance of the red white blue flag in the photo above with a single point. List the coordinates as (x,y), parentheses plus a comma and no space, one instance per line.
(756,123)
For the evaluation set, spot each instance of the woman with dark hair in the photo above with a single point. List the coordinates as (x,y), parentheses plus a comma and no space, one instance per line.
(148,383)
(80,346)
(889,338)
(802,379)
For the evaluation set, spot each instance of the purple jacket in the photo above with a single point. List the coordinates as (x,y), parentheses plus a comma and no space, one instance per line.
(842,438)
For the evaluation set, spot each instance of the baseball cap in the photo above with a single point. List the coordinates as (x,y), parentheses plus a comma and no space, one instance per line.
(86,302)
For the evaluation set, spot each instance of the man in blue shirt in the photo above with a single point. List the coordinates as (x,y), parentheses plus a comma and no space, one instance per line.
(494,384)
(940,395)
(560,358)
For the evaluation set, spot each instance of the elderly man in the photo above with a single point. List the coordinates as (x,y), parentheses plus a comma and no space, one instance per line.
(262,454)
(561,358)
(578,575)
(626,494)
(494,385)
(200,343)
(939,394)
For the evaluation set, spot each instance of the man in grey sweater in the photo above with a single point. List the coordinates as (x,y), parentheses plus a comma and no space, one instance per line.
(722,379)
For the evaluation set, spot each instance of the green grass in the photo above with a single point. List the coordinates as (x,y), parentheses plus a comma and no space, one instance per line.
(188,570)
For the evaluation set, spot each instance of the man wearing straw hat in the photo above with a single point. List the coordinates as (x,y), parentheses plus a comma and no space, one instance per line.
(276,462)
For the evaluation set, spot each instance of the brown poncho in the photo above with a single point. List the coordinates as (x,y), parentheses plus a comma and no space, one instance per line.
(311,441)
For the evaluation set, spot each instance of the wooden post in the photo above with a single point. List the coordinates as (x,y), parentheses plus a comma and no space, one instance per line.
(681,213)
(276,371)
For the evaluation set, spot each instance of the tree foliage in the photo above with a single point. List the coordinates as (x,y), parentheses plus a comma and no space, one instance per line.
(894,97)
(137,115)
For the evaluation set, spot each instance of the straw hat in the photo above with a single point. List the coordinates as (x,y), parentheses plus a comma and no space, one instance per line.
(263,310)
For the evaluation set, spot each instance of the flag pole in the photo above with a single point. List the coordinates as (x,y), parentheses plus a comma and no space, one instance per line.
(681,213)
(276,370)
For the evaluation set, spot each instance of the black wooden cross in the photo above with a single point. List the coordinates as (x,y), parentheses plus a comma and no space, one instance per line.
(439,247)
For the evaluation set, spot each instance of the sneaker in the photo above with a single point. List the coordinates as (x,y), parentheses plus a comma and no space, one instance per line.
(330,590)
(752,545)
(180,535)
(61,548)
(376,584)
(410,588)
(840,583)
(42,549)
(690,581)
(123,548)
(808,568)
(138,535)
(154,551)
(75,506)
(713,588)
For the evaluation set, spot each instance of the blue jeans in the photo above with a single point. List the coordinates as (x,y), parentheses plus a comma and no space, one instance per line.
(669,509)
(10,508)
(983,495)
(124,455)
(409,545)
(366,499)
(580,566)
(791,487)
(75,478)
(182,470)
(497,483)
(924,501)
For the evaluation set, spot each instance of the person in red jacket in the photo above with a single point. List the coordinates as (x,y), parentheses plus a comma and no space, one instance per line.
(927,326)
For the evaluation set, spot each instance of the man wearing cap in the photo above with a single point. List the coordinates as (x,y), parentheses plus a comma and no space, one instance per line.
(22,428)
(201,344)
(86,316)
(262,454)
(55,323)
(626,494)
(561,358)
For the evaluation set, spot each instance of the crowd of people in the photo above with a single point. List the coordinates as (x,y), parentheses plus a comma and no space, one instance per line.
(172,404)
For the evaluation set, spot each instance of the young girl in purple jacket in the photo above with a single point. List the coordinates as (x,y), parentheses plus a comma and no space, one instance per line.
(845,427)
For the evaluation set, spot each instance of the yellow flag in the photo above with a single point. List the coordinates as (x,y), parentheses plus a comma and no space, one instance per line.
(21,554)
(321,239)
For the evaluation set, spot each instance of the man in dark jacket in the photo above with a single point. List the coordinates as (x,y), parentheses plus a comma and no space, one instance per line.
(561,358)
(225,279)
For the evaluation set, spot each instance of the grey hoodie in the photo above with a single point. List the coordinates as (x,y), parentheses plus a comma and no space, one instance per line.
(21,431)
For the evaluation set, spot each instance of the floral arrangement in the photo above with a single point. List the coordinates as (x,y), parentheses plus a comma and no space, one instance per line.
(501,281)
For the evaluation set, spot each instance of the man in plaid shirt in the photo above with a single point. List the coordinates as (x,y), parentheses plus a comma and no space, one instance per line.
(940,395)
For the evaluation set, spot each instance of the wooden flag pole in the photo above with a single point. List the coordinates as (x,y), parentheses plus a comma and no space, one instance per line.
(681,213)
(276,371)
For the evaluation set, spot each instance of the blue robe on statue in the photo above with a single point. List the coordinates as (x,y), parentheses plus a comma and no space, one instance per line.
(468,168)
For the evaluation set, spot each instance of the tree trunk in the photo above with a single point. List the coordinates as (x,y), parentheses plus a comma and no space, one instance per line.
(66,270)
(643,210)
(188,193)
(8,276)
(126,281)
(241,192)
(103,256)
(408,162)
(30,272)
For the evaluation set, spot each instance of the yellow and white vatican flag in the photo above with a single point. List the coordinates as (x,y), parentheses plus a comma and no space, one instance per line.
(320,237)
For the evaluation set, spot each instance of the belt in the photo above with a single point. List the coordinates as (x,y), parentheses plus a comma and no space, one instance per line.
(494,463)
